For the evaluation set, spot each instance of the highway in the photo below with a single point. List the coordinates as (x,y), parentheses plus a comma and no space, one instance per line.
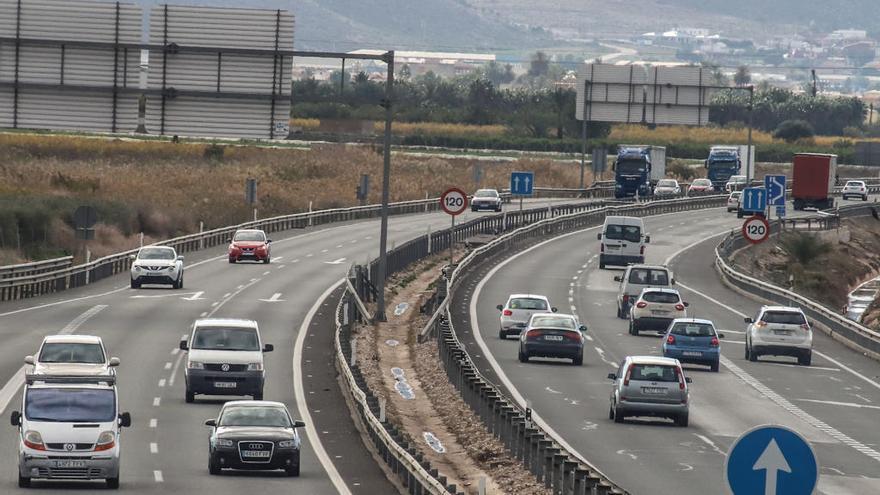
(165,451)
(834,403)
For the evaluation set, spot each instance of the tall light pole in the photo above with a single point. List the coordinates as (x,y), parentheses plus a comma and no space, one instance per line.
(386,179)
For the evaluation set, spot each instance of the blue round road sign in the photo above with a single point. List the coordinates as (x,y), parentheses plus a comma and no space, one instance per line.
(771,460)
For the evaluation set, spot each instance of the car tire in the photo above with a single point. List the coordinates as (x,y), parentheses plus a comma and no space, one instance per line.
(523,357)
(502,335)
(190,397)
(618,418)
(610,412)
(266,260)
(213,465)
(23,482)
(747,351)
(805,359)
(258,395)
(715,366)
(865,197)
(601,265)
(113,483)
(498,210)
(292,470)
(232,260)
(135,284)
(578,361)
(739,214)
(633,328)
(682,419)
(753,356)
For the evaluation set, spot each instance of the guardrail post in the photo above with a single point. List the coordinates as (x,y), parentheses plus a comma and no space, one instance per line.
(549,454)
(558,473)
(568,469)
(580,482)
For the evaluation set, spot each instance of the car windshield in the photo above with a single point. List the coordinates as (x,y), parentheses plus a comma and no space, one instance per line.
(249,236)
(156,254)
(59,352)
(693,329)
(631,166)
(702,182)
(784,318)
(529,304)
(255,416)
(631,233)
(486,193)
(666,183)
(70,405)
(653,373)
(735,195)
(648,276)
(661,297)
(226,339)
(553,321)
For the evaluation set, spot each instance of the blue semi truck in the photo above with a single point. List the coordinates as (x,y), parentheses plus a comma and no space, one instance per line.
(727,161)
(637,169)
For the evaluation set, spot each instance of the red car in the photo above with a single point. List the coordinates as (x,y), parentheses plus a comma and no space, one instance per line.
(700,185)
(250,245)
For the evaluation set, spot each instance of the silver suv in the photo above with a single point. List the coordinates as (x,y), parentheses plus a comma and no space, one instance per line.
(649,386)
(779,331)
(638,277)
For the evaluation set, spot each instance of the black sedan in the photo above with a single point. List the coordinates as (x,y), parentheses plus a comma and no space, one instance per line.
(254,435)
(552,335)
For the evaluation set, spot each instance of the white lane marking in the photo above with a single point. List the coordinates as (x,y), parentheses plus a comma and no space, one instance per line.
(204,314)
(711,444)
(157,476)
(175,351)
(227,294)
(588,338)
(16,381)
(338,246)
(279,267)
(301,397)
(309,255)
(168,365)
(835,403)
(266,273)
(738,332)
(154,448)
(277,258)
(155,296)
(225,300)
(153,422)
(628,453)
(176,367)
(157,401)
(324,250)
(195,297)
(275,298)
(335,262)
(161,382)
(799,367)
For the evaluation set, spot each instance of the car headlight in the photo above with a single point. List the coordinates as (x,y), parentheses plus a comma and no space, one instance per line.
(136,268)
(255,367)
(33,439)
(223,442)
(287,444)
(195,365)
(106,441)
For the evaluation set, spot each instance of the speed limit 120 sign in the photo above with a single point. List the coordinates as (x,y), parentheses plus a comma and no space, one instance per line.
(756,229)
(454,201)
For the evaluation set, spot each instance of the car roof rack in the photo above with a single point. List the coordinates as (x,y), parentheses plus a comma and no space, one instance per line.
(30,379)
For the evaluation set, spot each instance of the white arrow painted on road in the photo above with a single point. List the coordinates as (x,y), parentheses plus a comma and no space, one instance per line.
(773,461)
(197,296)
(335,262)
(275,298)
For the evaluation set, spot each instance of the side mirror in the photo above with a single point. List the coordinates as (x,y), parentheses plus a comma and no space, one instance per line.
(15,418)
(673,281)
(229,241)
(298,424)
(582,328)
(28,360)
(617,278)
(500,307)
(812,323)
(268,241)
(180,258)
(125,420)
(748,320)
(268,348)
(647,239)
(687,379)
(599,236)
(114,361)
(184,346)
(211,422)
(612,376)
(686,304)
(553,310)
(721,336)
(132,256)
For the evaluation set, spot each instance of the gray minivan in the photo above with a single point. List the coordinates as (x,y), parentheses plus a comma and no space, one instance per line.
(649,386)
(638,277)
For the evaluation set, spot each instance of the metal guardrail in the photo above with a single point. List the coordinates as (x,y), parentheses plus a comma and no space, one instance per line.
(841,328)
(37,267)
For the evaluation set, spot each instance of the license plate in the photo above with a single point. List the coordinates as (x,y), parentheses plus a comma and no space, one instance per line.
(782,332)
(555,338)
(659,312)
(612,247)
(653,391)
(155,274)
(692,353)
(263,454)
(225,384)
(70,464)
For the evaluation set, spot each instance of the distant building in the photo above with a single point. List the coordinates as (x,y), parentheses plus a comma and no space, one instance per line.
(441,63)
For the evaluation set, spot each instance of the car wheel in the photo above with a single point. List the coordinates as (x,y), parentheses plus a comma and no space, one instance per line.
(579,360)
(739,214)
(865,197)
(213,466)
(498,209)
(682,419)
(23,482)
(715,366)
(266,260)
(292,470)
(523,357)
(258,395)
(805,359)
(502,334)
(634,327)
(473,209)
(618,418)
(753,355)
(113,483)
(190,397)
(747,350)
(135,284)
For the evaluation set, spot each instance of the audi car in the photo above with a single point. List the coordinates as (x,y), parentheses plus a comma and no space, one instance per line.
(250,244)
(156,265)
(254,435)
(486,199)
(553,335)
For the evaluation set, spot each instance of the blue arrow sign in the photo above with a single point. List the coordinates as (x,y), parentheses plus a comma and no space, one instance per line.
(521,183)
(754,199)
(775,186)
(771,460)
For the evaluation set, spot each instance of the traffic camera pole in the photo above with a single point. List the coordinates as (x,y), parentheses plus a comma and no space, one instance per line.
(386,179)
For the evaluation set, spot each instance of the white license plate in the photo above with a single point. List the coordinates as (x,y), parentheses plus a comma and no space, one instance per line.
(555,338)
(659,312)
(612,247)
(653,391)
(155,274)
(70,464)
(782,332)
(260,454)
(225,384)
(692,353)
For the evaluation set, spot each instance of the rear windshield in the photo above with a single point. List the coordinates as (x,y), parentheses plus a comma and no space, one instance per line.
(486,193)
(853,183)
(693,329)
(59,352)
(530,304)
(653,373)
(70,405)
(553,321)
(784,318)
(226,339)
(249,236)
(631,233)
(661,297)
(648,276)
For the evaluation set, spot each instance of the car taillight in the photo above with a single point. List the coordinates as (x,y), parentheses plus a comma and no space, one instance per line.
(533,334)
(641,304)
(761,324)
(670,339)
(679,307)
(680,376)
(714,342)
(626,379)
(805,327)
(507,312)
(642,249)
(602,247)
(572,336)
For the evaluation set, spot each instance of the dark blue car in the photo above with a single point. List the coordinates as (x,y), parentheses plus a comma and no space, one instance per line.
(691,340)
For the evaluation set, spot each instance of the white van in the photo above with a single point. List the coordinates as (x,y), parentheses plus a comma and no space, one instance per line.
(69,429)
(622,241)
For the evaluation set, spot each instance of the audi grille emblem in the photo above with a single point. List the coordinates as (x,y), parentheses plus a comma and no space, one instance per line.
(255,446)
(224,367)
(69,447)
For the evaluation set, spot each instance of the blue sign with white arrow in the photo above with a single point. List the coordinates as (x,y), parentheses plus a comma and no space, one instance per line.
(521,183)
(771,460)
(754,199)
(775,186)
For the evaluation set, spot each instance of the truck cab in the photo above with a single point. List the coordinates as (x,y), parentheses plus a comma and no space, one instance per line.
(636,169)
(723,162)
(69,429)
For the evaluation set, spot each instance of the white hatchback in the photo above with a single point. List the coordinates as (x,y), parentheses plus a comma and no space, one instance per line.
(515,314)
(655,309)
(855,188)
(779,331)
(733,201)
(157,265)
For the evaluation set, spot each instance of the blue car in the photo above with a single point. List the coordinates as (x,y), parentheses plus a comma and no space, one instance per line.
(691,340)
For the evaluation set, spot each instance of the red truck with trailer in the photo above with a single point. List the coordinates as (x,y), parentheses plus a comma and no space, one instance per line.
(813,178)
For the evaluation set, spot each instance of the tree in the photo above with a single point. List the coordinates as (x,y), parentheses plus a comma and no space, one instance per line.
(481,101)
(539,64)
(743,76)
(405,73)
(792,130)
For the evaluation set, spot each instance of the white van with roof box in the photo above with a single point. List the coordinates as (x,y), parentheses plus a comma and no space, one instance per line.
(69,429)
(622,241)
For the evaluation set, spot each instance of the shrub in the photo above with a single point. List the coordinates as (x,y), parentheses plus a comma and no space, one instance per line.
(804,248)
(793,130)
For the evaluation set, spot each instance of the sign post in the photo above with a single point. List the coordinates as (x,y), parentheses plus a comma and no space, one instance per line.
(773,460)
(775,187)
(454,202)
(522,184)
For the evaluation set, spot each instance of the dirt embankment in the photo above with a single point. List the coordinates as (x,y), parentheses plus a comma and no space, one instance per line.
(420,399)
(824,267)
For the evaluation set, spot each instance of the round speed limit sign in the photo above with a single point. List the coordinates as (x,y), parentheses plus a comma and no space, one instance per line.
(756,229)
(454,201)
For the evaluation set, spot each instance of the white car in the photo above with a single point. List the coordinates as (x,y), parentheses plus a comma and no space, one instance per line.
(655,309)
(855,188)
(72,355)
(157,265)
(515,314)
(779,331)
(667,187)
(733,201)
(486,199)
(635,278)
(736,183)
